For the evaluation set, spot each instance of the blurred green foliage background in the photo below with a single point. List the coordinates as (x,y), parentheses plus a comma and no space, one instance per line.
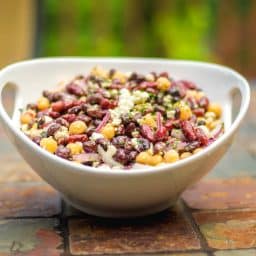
(211,30)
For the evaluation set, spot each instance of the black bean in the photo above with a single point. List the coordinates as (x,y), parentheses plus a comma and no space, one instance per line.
(63,152)
(62,122)
(90,146)
(102,142)
(142,144)
(122,156)
(74,110)
(159,147)
(52,129)
(120,141)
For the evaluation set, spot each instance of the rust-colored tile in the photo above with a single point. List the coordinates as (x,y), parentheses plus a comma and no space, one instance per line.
(231,193)
(165,232)
(228,229)
(35,237)
(15,169)
(250,252)
(26,200)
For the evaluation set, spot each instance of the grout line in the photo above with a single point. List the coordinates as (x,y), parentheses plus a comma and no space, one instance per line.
(64,229)
(196,228)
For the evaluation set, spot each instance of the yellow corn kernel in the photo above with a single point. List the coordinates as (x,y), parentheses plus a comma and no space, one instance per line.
(148,120)
(99,72)
(213,124)
(197,150)
(185,155)
(171,156)
(49,144)
(155,160)
(75,148)
(191,94)
(43,103)
(163,83)
(199,95)
(215,108)
(26,117)
(108,131)
(185,112)
(120,76)
(143,158)
(77,127)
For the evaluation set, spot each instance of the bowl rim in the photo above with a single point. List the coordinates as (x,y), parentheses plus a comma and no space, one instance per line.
(147,170)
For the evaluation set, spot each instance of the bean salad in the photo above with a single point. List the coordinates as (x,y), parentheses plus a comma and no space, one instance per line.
(123,120)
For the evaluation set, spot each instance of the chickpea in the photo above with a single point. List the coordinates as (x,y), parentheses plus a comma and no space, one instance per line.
(215,108)
(185,155)
(77,127)
(108,131)
(197,150)
(43,103)
(171,156)
(49,144)
(163,83)
(143,158)
(75,148)
(148,120)
(26,117)
(155,160)
(185,112)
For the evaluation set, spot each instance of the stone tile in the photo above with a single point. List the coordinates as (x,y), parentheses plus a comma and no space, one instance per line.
(250,252)
(228,229)
(222,194)
(27,200)
(164,232)
(15,169)
(30,237)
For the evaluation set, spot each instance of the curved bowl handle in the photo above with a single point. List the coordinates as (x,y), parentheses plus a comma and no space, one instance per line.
(9,92)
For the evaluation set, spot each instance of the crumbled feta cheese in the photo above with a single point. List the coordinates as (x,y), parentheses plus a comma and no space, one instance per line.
(125,104)
(170,114)
(205,130)
(62,133)
(140,96)
(47,119)
(107,156)
(96,135)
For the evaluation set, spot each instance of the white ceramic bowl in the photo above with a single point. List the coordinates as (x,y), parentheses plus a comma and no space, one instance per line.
(120,193)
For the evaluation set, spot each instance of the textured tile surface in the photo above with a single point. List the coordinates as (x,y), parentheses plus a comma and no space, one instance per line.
(222,194)
(228,230)
(26,199)
(250,252)
(29,237)
(168,231)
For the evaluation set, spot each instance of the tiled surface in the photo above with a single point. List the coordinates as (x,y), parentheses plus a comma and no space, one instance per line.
(31,237)
(216,217)
(168,231)
(233,193)
(28,200)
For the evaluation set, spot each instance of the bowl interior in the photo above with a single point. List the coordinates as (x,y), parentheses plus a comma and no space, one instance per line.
(32,77)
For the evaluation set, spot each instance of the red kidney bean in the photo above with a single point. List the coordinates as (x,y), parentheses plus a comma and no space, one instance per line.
(58,106)
(199,111)
(204,102)
(201,136)
(77,137)
(53,114)
(188,130)
(75,89)
(69,117)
